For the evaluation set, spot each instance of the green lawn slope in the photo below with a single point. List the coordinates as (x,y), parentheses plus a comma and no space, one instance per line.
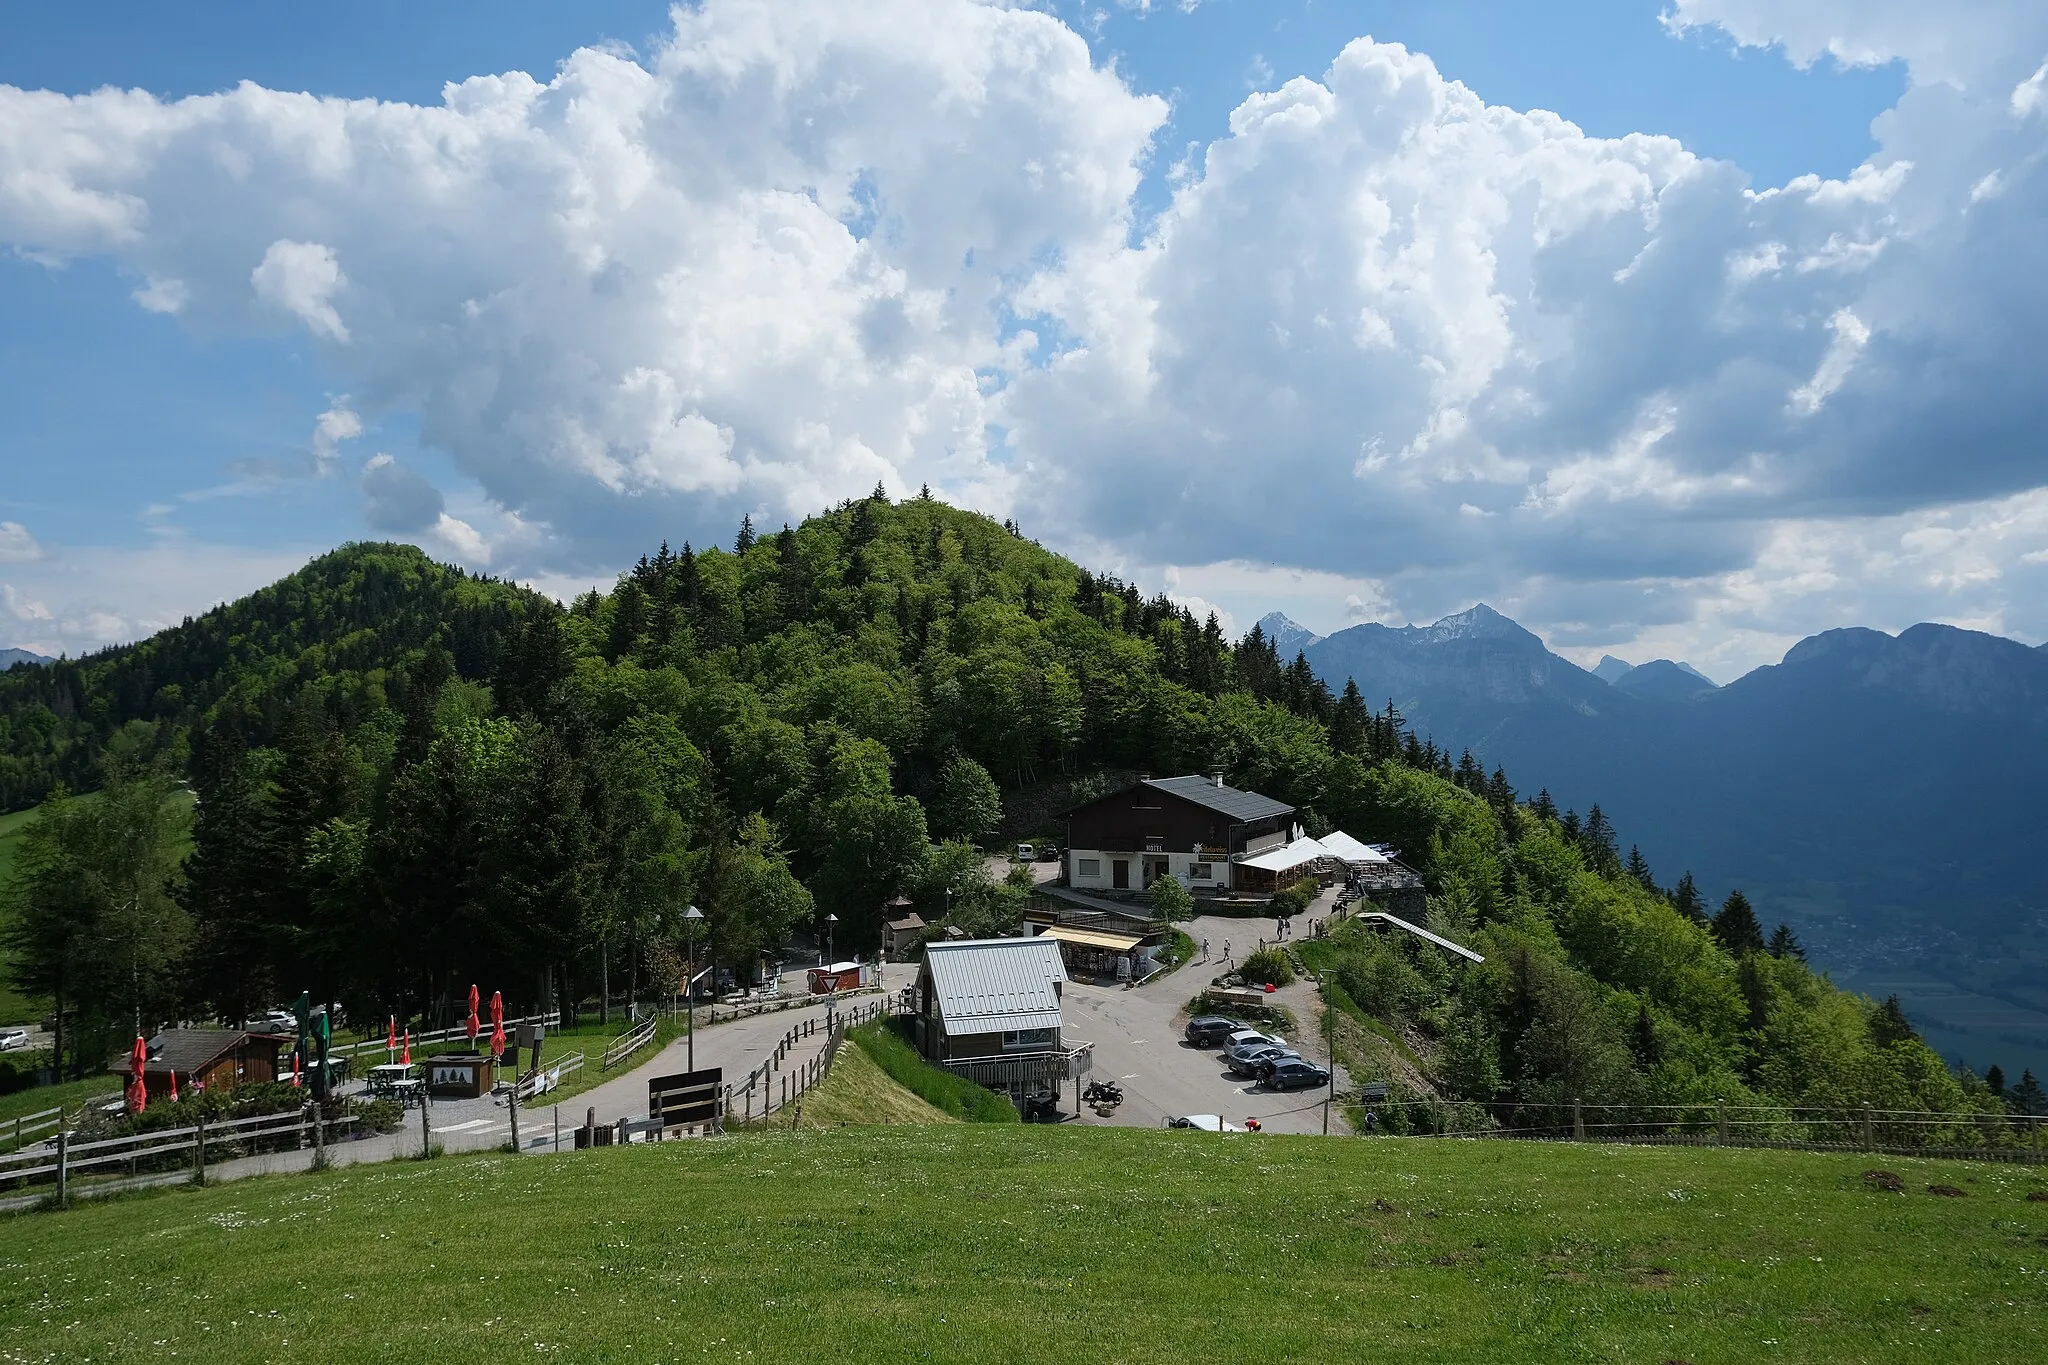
(1014,1243)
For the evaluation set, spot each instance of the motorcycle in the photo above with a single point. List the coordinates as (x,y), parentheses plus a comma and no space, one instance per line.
(1103,1094)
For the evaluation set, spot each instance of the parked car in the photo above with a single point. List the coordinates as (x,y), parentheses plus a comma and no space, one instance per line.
(1048,853)
(13,1039)
(1209,1030)
(1249,1042)
(1297,1074)
(1026,853)
(1208,1123)
(273,1021)
(1258,1061)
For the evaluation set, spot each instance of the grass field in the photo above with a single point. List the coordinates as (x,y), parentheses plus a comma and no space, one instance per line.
(886,1046)
(1016,1243)
(858,1091)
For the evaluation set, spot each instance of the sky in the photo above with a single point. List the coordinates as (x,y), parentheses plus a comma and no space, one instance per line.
(1678,328)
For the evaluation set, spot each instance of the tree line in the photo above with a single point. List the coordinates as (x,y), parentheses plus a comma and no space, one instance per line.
(405,779)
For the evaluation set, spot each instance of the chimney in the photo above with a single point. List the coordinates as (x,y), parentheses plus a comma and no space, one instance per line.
(1216,778)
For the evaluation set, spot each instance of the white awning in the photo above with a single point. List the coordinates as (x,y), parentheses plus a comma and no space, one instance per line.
(1291,855)
(1342,845)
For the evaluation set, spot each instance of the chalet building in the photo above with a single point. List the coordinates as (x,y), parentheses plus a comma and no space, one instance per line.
(989,1010)
(217,1059)
(1192,828)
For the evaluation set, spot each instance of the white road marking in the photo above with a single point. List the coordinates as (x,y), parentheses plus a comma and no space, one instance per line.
(465,1127)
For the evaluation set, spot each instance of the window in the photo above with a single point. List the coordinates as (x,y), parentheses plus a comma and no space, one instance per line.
(1198,871)
(1090,867)
(1029,1038)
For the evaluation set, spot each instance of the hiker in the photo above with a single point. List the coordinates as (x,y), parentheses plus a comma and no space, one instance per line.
(1205,950)
(1226,950)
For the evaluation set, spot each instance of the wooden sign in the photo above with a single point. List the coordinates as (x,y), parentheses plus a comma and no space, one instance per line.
(688,1097)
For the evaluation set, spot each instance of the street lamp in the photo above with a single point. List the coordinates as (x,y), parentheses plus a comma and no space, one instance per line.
(830,920)
(691,918)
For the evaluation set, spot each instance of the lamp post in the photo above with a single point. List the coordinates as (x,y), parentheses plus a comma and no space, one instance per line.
(691,918)
(830,921)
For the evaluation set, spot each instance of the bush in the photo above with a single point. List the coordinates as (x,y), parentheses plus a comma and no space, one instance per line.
(884,1041)
(378,1115)
(1292,900)
(1170,900)
(1268,966)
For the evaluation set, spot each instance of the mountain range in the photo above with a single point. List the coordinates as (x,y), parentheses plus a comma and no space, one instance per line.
(10,657)
(1881,794)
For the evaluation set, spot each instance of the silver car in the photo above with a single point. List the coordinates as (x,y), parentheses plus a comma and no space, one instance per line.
(1259,1060)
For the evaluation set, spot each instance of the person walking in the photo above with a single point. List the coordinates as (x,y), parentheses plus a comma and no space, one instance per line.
(1205,950)
(1226,950)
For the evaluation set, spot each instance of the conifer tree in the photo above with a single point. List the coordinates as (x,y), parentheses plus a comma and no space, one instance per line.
(1350,723)
(1543,805)
(1785,944)
(2027,1098)
(1889,1025)
(1687,901)
(1737,927)
(1994,1080)
(1599,843)
(1639,868)
(745,540)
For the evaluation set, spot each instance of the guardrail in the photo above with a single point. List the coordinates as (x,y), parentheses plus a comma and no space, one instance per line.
(638,1037)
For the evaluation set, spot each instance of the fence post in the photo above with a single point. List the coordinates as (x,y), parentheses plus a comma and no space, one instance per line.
(1578,1120)
(512,1109)
(63,1163)
(1721,1120)
(199,1155)
(319,1138)
(426,1142)
(1869,1131)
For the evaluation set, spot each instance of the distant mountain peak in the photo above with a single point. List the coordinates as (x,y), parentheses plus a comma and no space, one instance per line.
(10,657)
(1481,622)
(1289,636)
(1611,669)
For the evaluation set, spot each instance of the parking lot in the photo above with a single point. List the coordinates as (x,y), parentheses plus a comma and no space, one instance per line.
(1138,1044)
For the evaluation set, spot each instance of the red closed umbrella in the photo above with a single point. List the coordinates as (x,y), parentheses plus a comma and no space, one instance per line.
(407,1058)
(472,1022)
(174,1087)
(391,1038)
(295,1067)
(497,1023)
(138,1094)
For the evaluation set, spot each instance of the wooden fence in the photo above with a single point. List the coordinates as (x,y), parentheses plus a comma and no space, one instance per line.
(635,1038)
(65,1167)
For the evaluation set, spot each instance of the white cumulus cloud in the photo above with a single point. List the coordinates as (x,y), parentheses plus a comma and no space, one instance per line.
(1411,346)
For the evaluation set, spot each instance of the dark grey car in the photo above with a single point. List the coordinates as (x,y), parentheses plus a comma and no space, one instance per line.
(1208,1030)
(1296,1074)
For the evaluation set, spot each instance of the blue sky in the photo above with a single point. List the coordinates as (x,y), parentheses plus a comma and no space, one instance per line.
(172,445)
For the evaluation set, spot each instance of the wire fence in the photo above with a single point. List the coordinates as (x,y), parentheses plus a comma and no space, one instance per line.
(1982,1135)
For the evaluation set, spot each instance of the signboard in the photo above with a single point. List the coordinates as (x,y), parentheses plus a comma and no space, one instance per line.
(684,1098)
(1372,1090)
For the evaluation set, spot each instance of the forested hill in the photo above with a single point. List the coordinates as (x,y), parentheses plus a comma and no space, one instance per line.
(368,610)
(410,781)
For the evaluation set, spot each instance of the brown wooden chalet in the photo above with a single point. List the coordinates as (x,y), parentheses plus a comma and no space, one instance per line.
(220,1059)
(1187,827)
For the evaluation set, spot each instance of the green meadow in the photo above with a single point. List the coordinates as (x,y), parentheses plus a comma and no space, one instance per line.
(1001,1243)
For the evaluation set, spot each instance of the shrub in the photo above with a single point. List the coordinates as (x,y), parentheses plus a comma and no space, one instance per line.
(884,1041)
(378,1115)
(1292,900)
(1170,900)
(1268,966)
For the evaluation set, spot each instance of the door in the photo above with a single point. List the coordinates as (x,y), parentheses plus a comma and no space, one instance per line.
(1120,874)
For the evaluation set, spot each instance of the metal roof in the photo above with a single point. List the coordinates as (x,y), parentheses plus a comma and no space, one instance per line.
(1094,938)
(1203,791)
(985,985)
